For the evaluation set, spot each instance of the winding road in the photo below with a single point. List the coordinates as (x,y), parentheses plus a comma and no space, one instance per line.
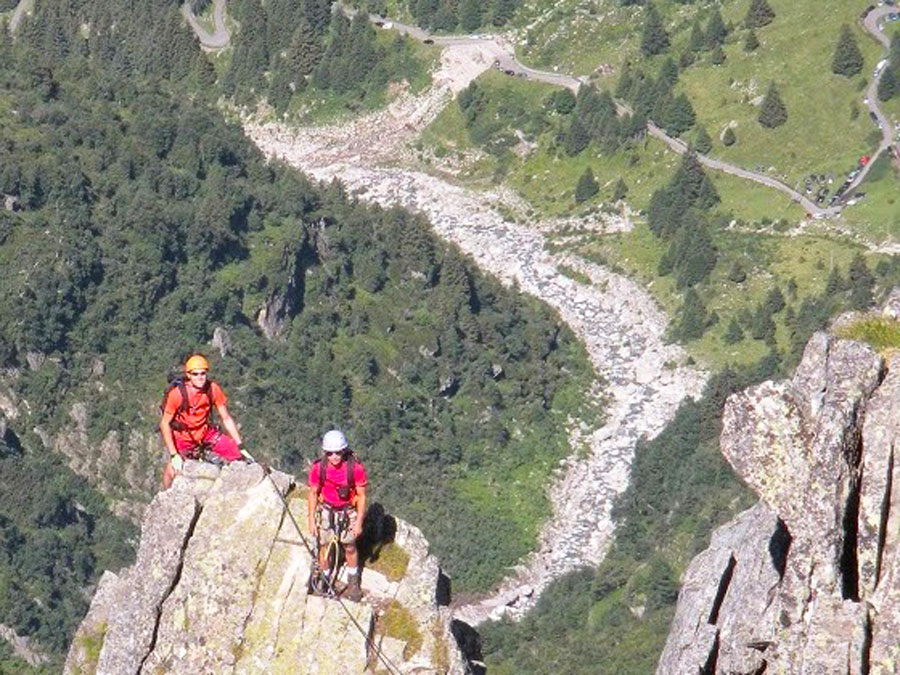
(211,42)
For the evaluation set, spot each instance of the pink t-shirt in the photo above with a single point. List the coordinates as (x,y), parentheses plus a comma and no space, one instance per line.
(336,476)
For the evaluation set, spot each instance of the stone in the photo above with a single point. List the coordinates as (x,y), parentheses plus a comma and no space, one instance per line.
(805,581)
(143,588)
(221,341)
(221,585)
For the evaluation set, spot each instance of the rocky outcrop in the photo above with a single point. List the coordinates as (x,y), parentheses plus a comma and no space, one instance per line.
(220,585)
(806,581)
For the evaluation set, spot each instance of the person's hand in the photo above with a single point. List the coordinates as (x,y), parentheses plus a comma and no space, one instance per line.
(177,462)
(357,528)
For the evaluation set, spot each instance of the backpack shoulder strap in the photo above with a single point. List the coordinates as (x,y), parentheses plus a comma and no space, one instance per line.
(351,466)
(321,464)
(184,396)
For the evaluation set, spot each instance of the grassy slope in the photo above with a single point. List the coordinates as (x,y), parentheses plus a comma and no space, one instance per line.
(795,52)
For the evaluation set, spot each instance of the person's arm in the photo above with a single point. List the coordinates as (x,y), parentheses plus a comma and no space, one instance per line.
(360,510)
(165,428)
(228,423)
(312,500)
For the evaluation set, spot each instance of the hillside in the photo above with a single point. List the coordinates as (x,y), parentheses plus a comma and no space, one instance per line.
(401,297)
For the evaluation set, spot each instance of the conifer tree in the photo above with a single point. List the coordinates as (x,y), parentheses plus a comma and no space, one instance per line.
(654,39)
(679,116)
(470,17)
(758,14)
(620,190)
(751,42)
(728,138)
(888,85)
(772,112)
(317,14)
(587,186)
(577,138)
(835,283)
(686,59)
(848,59)
(733,334)
(702,141)
(774,301)
(304,52)
(762,327)
(716,32)
(692,318)
(718,56)
(697,41)
(280,92)
(502,11)
(861,283)
(669,71)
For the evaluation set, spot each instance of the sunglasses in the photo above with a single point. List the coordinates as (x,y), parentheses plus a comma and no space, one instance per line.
(335,452)
(197,373)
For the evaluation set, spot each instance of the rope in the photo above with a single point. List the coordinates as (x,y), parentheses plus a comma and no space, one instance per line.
(392,669)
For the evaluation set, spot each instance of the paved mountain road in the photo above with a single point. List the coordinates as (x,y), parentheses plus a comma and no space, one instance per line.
(220,37)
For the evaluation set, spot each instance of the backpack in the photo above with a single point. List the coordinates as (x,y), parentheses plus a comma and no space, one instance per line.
(178,381)
(350,460)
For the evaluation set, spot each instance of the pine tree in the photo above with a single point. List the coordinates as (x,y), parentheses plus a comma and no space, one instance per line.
(679,116)
(587,186)
(470,17)
(280,91)
(751,42)
(654,39)
(848,59)
(861,283)
(502,11)
(669,71)
(772,112)
(733,334)
(692,318)
(620,190)
(686,59)
(697,41)
(318,15)
(577,139)
(759,14)
(835,283)
(728,138)
(304,52)
(702,141)
(716,32)
(718,56)
(774,301)
(888,85)
(762,327)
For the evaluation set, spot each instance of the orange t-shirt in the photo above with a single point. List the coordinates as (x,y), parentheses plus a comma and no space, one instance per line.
(200,405)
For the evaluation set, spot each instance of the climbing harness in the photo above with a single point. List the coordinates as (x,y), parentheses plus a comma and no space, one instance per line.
(391,667)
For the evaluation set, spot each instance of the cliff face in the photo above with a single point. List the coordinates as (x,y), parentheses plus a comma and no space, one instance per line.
(220,586)
(806,581)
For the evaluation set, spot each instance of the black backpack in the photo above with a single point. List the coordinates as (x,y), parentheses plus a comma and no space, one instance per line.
(350,459)
(178,381)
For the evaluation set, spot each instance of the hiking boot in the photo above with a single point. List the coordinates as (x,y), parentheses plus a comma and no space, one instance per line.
(354,592)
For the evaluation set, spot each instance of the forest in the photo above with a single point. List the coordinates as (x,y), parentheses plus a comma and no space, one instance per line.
(139,221)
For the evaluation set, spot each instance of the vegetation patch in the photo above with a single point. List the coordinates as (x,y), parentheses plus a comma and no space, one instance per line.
(399,623)
(91,643)
(391,561)
(882,333)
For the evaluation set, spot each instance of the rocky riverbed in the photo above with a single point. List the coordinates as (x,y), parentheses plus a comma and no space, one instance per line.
(618,321)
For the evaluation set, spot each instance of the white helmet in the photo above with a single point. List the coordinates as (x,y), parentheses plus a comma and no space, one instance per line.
(334,441)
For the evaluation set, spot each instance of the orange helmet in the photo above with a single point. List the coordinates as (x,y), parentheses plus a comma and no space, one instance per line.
(196,362)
